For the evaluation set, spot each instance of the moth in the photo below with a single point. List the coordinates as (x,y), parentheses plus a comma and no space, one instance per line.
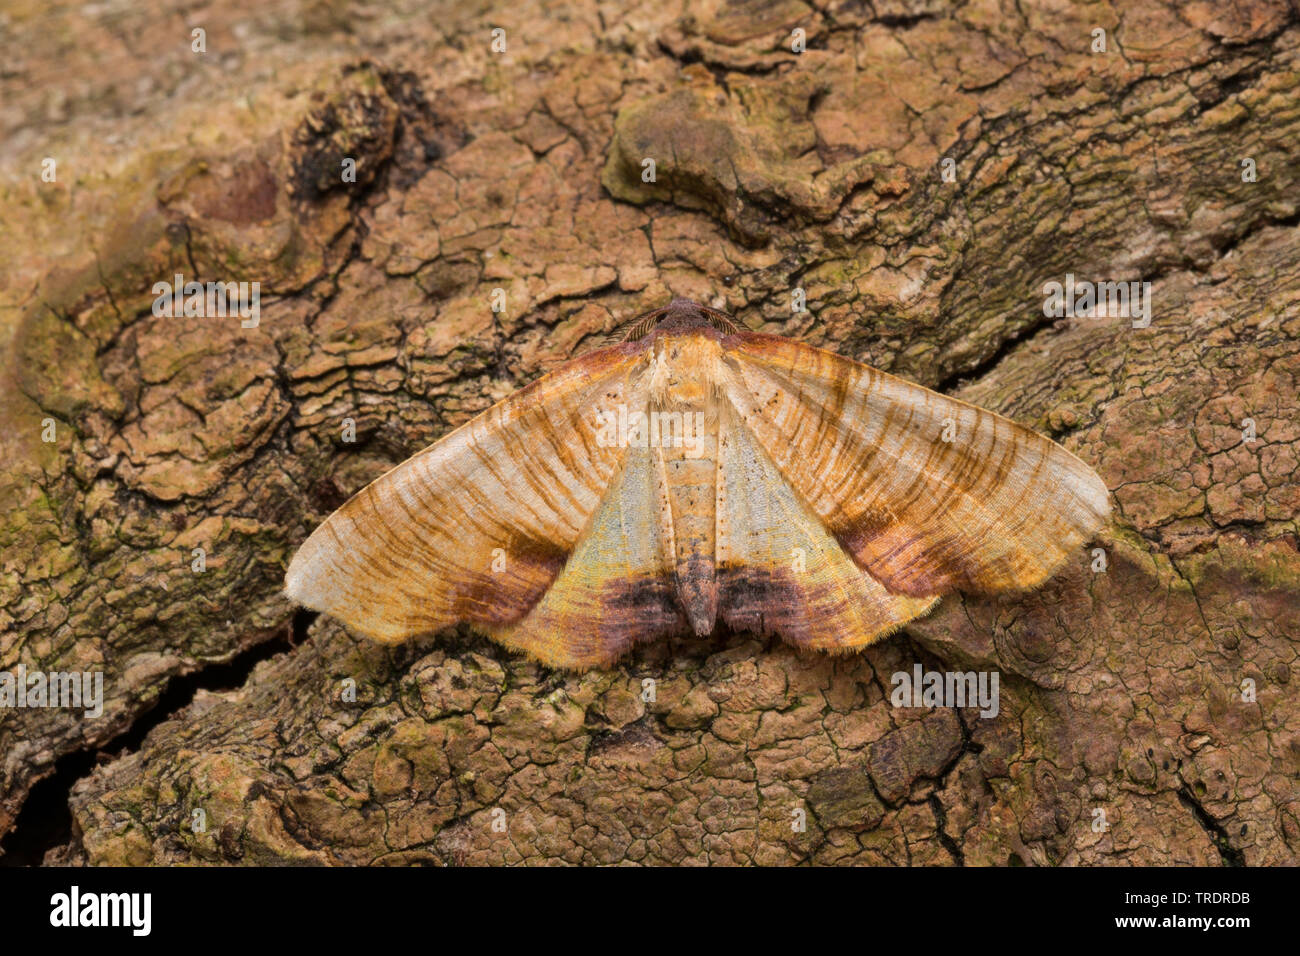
(697,472)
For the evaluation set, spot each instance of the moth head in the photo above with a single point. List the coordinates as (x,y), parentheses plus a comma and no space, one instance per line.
(680,315)
(685,352)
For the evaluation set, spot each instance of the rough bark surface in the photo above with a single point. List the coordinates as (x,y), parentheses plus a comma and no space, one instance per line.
(1121,690)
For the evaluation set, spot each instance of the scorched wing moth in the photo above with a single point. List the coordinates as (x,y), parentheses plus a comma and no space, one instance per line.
(693,472)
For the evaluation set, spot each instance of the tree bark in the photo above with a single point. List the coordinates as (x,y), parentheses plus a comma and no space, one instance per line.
(1146,713)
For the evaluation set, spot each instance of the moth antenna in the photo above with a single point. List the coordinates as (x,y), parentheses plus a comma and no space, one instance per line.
(643,323)
(639,326)
(720,320)
(599,340)
(618,332)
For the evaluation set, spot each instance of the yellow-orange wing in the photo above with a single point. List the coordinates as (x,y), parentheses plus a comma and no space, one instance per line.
(480,525)
(928,494)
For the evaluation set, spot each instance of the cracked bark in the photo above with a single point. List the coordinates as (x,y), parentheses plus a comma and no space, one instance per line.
(1121,691)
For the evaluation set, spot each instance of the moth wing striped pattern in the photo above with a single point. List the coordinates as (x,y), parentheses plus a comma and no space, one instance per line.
(816,498)
(617,590)
(927,493)
(781,571)
(478,526)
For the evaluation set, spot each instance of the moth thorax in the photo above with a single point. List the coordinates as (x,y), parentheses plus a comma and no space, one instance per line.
(686,371)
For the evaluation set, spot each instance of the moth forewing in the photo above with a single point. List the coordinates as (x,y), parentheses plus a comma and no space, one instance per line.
(992,506)
(419,549)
